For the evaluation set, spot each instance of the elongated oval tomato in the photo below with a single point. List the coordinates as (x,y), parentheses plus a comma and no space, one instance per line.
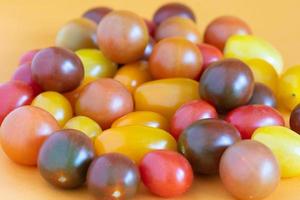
(134,141)
(248,118)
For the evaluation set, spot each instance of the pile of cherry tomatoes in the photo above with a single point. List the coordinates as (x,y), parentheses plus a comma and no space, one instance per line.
(121,100)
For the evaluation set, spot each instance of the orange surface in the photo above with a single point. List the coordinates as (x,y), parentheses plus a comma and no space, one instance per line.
(33,24)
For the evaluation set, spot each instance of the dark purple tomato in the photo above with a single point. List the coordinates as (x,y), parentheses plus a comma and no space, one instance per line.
(14,94)
(263,95)
(57,69)
(172,9)
(23,73)
(64,158)
(149,49)
(227,84)
(96,14)
(250,117)
(295,119)
(113,176)
(204,142)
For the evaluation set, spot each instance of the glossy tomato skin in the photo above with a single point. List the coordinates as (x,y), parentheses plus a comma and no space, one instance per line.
(14,94)
(113,176)
(144,118)
(77,34)
(249,170)
(295,119)
(104,101)
(220,29)
(64,158)
(210,54)
(187,64)
(134,141)
(115,36)
(163,178)
(23,132)
(28,56)
(173,9)
(57,69)
(204,141)
(227,84)
(149,49)
(263,95)
(151,27)
(96,14)
(250,117)
(189,113)
(23,73)
(56,104)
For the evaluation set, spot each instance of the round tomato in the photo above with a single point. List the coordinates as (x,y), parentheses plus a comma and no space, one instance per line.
(210,54)
(166,173)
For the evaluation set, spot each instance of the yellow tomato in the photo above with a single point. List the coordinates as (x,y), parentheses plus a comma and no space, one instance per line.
(285,144)
(144,118)
(72,96)
(134,74)
(247,47)
(165,96)
(264,73)
(95,64)
(85,125)
(289,88)
(56,104)
(134,141)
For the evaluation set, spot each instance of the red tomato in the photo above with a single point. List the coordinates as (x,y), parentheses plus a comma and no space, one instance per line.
(250,117)
(166,173)
(23,73)
(14,94)
(28,56)
(189,113)
(151,27)
(210,54)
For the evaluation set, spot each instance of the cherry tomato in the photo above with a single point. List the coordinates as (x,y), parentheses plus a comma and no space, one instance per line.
(95,64)
(144,118)
(210,54)
(170,176)
(73,95)
(165,96)
(151,27)
(133,75)
(27,56)
(220,29)
(23,73)
(250,117)
(246,47)
(77,34)
(96,14)
(104,101)
(259,69)
(227,84)
(64,158)
(289,88)
(178,27)
(56,104)
(249,170)
(85,125)
(134,141)
(263,95)
(204,141)
(187,62)
(14,94)
(122,36)
(284,143)
(173,9)
(113,176)
(23,132)
(149,49)
(57,69)
(189,113)
(295,119)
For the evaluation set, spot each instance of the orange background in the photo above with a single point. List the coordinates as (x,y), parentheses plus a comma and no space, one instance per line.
(30,24)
